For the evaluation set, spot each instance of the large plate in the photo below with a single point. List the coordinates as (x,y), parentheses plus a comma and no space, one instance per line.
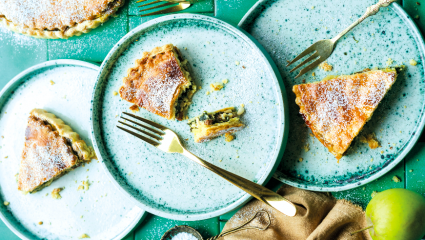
(285,28)
(170,185)
(101,212)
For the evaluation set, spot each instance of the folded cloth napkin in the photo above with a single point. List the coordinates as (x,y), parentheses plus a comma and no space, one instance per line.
(319,217)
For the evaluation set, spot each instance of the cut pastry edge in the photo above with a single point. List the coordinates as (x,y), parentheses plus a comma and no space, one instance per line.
(334,149)
(80,28)
(210,125)
(185,92)
(40,166)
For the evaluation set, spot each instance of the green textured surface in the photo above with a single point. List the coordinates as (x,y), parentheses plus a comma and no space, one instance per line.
(17,53)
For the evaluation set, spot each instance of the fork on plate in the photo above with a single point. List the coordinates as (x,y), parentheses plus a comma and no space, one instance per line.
(322,49)
(166,140)
(168,6)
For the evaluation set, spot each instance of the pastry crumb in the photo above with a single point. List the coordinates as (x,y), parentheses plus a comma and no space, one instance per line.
(51,82)
(390,61)
(220,160)
(216,86)
(313,74)
(237,63)
(56,193)
(374,194)
(84,236)
(413,62)
(396,179)
(371,140)
(411,170)
(207,93)
(134,108)
(81,187)
(225,81)
(6,156)
(229,137)
(40,223)
(115,93)
(306,147)
(326,66)
(300,160)
(6,203)
(86,185)
(241,110)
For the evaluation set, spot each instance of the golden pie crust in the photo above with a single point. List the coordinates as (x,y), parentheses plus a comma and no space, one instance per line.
(51,149)
(160,83)
(56,19)
(337,108)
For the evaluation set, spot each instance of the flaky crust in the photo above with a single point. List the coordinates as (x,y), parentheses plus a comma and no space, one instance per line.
(38,28)
(78,145)
(156,82)
(336,109)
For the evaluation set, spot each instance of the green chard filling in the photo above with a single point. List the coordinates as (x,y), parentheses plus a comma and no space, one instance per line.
(213,118)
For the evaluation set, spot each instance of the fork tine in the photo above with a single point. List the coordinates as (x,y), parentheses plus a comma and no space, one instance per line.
(158,6)
(150,141)
(311,66)
(144,126)
(177,8)
(312,57)
(147,4)
(159,126)
(303,54)
(141,130)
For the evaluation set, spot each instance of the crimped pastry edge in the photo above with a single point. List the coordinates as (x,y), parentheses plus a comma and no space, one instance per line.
(78,145)
(77,30)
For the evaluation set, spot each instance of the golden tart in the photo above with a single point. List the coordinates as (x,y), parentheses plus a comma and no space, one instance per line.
(210,125)
(51,149)
(337,108)
(160,83)
(56,19)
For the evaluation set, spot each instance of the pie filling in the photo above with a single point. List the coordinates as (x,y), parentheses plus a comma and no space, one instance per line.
(226,115)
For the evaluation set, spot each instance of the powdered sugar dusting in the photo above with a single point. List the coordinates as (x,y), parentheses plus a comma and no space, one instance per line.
(51,14)
(337,109)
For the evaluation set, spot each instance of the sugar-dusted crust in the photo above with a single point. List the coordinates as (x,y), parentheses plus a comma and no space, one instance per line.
(336,109)
(203,133)
(51,149)
(64,19)
(157,81)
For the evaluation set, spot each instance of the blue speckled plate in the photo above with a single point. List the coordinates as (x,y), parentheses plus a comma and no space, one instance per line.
(100,212)
(285,28)
(170,185)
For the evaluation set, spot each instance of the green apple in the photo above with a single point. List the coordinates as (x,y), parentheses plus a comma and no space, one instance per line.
(396,214)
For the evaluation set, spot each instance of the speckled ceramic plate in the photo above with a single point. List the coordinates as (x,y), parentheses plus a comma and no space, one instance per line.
(100,212)
(170,185)
(285,28)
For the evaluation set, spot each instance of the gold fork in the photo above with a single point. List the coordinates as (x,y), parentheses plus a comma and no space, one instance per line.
(167,141)
(322,49)
(182,4)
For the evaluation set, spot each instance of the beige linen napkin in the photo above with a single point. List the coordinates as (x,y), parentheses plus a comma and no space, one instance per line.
(319,217)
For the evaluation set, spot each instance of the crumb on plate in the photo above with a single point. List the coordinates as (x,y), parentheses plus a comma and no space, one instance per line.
(216,86)
(326,66)
(396,179)
(56,193)
(413,62)
(134,108)
(229,137)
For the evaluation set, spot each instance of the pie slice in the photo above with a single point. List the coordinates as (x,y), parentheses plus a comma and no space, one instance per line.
(210,125)
(160,83)
(51,149)
(56,19)
(337,108)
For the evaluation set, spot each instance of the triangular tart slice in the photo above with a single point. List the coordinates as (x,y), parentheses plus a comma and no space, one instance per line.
(337,108)
(51,149)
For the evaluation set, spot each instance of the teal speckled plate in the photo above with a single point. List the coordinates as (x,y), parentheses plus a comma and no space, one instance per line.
(285,28)
(170,185)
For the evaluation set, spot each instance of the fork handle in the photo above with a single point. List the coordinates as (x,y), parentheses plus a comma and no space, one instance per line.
(256,190)
(372,10)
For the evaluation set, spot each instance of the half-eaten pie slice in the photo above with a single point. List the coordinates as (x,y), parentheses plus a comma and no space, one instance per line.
(337,108)
(160,83)
(51,149)
(210,125)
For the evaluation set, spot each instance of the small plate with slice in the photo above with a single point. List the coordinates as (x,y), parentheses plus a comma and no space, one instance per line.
(96,209)
(285,28)
(170,185)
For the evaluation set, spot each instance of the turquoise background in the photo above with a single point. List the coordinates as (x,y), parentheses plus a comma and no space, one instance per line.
(17,53)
